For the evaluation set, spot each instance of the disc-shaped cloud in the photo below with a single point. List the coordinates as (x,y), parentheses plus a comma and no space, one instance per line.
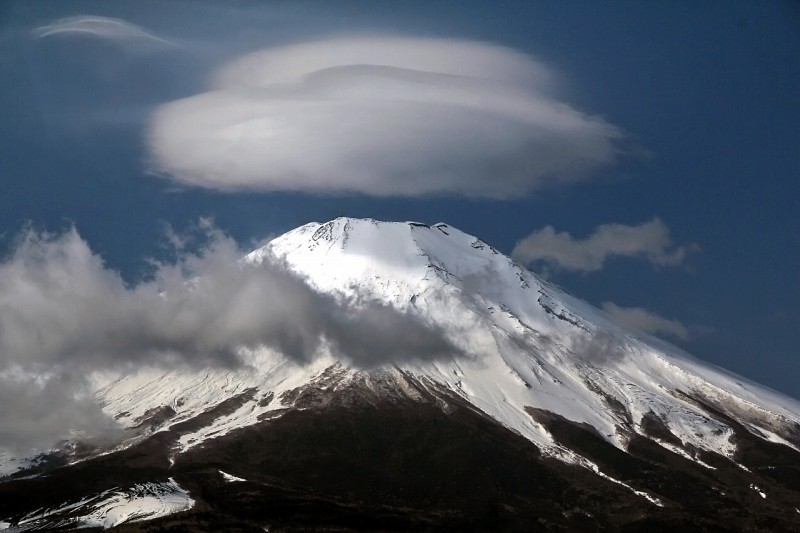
(380,116)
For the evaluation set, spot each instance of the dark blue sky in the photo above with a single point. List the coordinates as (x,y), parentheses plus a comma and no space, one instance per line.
(706,93)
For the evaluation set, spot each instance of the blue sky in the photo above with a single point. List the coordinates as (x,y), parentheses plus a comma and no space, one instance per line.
(693,212)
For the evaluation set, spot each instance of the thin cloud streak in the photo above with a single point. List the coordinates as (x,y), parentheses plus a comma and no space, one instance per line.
(381,116)
(649,241)
(646,321)
(101,27)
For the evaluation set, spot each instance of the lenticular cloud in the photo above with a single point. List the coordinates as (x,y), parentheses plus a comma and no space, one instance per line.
(380,116)
(102,27)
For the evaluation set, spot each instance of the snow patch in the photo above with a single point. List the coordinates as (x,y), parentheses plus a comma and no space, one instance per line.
(758,490)
(680,451)
(111,508)
(596,469)
(229,478)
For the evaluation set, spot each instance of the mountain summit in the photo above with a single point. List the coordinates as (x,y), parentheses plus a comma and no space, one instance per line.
(543,414)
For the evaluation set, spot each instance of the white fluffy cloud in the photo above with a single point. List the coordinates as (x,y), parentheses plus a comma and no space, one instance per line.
(650,241)
(64,314)
(646,321)
(59,304)
(39,410)
(380,116)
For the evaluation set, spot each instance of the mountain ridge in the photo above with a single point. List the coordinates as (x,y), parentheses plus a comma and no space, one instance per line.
(539,363)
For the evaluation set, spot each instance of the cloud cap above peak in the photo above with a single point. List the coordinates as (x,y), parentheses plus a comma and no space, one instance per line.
(382,116)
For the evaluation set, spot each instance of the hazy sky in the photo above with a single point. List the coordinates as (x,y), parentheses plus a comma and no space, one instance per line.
(645,156)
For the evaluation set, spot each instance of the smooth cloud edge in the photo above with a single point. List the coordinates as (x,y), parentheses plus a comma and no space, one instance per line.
(110,28)
(289,131)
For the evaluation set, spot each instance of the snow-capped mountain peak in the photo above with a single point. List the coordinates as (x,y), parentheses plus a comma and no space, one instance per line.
(531,344)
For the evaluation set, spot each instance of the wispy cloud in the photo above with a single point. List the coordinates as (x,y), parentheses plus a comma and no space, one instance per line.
(64,314)
(649,241)
(647,321)
(382,116)
(101,27)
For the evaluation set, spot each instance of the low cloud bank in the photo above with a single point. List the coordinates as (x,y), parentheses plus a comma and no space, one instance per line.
(650,241)
(63,314)
(382,116)
(38,411)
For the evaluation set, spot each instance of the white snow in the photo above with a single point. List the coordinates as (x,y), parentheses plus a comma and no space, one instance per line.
(522,355)
(596,469)
(680,451)
(758,490)
(110,508)
(230,478)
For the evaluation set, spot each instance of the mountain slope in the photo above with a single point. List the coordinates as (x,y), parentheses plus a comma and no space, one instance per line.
(531,343)
(590,413)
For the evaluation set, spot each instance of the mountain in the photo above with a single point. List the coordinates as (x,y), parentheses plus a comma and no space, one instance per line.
(547,415)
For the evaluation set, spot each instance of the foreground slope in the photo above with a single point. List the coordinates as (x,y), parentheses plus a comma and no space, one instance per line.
(549,415)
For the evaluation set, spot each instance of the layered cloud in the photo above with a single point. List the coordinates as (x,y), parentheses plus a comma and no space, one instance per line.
(102,27)
(380,116)
(649,241)
(647,321)
(64,314)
